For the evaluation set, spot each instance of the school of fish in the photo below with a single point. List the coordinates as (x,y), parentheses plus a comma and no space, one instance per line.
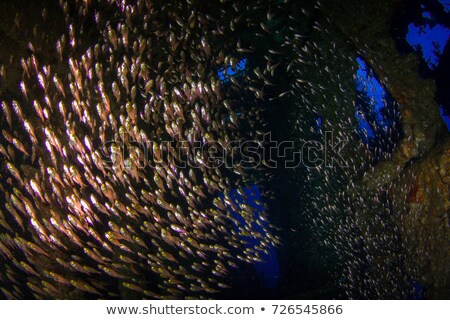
(81,218)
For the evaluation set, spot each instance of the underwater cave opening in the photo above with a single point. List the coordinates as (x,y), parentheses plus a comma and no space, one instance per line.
(423,27)
(376,111)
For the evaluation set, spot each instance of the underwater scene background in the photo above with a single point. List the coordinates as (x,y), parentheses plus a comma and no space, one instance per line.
(279,149)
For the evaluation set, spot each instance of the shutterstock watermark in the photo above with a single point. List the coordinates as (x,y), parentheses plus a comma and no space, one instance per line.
(209,153)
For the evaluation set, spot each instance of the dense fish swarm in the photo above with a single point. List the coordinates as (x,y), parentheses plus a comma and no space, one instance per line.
(364,208)
(352,219)
(80,218)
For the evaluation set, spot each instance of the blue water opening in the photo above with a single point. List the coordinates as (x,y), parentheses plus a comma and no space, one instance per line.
(225,73)
(445,117)
(429,40)
(267,271)
(318,124)
(446,4)
(417,291)
(375,110)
